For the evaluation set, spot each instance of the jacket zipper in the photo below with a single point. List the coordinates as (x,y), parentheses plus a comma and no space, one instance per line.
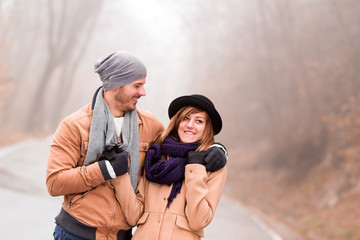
(72,202)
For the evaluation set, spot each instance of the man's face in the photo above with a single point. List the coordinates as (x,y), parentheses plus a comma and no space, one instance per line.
(127,96)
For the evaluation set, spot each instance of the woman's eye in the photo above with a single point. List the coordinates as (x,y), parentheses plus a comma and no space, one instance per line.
(186,118)
(199,121)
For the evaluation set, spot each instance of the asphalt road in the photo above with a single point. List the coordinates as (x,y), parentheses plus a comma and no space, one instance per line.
(27,211)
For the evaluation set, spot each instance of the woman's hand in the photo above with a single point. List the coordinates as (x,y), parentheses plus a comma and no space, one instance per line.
(197,157)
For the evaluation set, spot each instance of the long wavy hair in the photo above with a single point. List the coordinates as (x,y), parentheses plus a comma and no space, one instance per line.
(207,137)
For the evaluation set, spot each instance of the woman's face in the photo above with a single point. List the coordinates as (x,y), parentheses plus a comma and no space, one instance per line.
(192,127)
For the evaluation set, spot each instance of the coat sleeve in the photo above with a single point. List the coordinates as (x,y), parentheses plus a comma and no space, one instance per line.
(132,203)
(63,175)
(203,192)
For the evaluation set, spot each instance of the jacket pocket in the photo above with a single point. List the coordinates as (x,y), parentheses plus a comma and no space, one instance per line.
(182,229)
(142,231)
(73,199)
(181,222)
(143,218)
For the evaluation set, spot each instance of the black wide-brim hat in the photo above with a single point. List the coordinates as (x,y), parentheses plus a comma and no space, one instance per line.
(200,102)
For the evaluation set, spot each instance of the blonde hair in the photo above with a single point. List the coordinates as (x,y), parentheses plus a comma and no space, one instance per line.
(207,137)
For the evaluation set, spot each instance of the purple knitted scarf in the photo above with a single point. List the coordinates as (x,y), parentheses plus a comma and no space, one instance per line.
(171,171)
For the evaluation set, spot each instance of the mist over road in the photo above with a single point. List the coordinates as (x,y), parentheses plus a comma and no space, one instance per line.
(28,211)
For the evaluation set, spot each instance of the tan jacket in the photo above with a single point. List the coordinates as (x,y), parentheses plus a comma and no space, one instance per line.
(190,212)
(87,196)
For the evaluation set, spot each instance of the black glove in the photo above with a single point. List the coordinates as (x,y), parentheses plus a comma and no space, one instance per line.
(118,160)
(216,157)
(196,157)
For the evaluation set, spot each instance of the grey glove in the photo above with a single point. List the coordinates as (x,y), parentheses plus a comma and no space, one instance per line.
(113,162)
(216,157)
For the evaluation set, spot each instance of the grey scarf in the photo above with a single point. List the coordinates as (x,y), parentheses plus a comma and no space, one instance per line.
(103,133)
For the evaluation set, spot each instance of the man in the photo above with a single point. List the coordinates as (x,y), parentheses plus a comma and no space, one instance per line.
(75,169)
(90,147)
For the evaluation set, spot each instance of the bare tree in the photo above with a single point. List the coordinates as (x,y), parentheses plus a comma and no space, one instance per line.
(67,30)
(293,61)
(42,43)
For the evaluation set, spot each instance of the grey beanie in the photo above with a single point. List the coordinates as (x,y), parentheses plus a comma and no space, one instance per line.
(118,69)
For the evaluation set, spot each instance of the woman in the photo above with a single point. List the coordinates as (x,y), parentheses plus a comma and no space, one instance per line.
(177,196)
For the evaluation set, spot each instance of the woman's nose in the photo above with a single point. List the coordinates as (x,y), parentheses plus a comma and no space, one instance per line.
(190,124)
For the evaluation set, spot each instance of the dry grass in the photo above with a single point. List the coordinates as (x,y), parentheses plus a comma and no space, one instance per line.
(325,205)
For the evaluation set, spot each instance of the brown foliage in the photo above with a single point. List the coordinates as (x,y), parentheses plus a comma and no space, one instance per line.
(287,86)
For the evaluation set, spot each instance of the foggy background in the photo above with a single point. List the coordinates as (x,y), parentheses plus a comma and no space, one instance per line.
(284,76)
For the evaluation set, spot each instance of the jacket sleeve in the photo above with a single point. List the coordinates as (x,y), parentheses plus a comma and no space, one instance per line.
(132,203)
(63,175)
(203,192)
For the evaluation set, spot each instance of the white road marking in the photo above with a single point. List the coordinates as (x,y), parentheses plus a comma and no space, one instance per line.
(13,147)
(264,227)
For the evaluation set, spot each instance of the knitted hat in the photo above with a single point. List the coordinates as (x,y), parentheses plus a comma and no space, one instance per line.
(118,69)
(200,102)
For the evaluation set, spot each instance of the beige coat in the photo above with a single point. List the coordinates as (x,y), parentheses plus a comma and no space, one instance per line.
(190,212)
(87,196)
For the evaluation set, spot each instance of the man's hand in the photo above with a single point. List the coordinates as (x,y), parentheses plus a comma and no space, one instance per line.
(216,157)
(113,162)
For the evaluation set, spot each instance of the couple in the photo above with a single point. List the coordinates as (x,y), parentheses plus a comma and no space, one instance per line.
(117,166)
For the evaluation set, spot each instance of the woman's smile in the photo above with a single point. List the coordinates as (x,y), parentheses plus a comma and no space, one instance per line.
(192,127)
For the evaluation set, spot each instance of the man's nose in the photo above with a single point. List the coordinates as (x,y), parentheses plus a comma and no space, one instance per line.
(142,91)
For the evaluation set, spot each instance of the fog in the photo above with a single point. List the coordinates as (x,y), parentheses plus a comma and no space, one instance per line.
(60,57)
(283,75)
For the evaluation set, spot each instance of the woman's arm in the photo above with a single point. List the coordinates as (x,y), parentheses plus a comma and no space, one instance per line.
(203,192)
(132,203)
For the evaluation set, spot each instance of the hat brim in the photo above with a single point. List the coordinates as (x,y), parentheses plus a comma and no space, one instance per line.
(200,103)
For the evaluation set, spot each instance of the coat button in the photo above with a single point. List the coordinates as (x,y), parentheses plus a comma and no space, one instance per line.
(144,147)
(191,171)
(164,198)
